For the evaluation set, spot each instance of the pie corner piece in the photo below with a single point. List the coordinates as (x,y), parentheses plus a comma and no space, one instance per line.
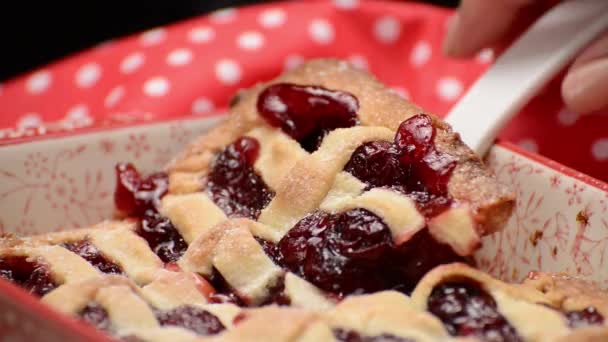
(471,184)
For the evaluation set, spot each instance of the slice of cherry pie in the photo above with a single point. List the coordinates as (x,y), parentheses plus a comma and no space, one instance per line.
(309,214)
(343,179)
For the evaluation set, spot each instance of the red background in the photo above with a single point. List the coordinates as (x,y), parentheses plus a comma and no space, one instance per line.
(192,69)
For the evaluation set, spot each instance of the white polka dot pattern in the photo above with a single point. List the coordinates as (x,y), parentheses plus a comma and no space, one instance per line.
(272,18)
(78,116)
(153,37)
(202,105)
(293,61)
(114,96)
(132,62)
(223,16)
(203,34)
(567,117)
(156,87)
(250,40)
(387,29)
(599,149)
(179,57)
(449,88)
(321,31)
(88,75)
(421,53)
(38,82)
(359,61)
(228,72)
(346,4)
(29,120)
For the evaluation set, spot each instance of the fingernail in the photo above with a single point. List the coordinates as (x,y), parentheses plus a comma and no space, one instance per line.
(585,88)
(450,42)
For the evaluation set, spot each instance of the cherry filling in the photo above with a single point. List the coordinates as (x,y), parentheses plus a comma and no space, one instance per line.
(223,291)
(585,317)
(352,336)
(307,113)
(277,294)
(192,318)
(234,185)
(96,316)
(162,237)
(271,249)
(91,254)
(31,275)
(140,197)
(421,253)
(411,164)
(337,252)
(353,252)
(467,310)
(135,195)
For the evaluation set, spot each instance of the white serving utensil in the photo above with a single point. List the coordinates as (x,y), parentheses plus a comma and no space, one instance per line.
(524,68)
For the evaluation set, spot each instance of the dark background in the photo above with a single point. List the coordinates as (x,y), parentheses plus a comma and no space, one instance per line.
(38,31)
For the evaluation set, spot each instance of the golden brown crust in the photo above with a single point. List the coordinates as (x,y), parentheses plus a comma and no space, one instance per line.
(568,292)
(535,309)
(471,182)
(55,238)
(73,297)
(458,272)
(115,240)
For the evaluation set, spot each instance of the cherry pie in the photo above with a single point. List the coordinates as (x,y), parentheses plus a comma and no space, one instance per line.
(311,213)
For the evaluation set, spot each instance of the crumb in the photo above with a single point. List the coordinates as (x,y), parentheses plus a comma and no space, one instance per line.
(515,274)
(582,218)
(534,237)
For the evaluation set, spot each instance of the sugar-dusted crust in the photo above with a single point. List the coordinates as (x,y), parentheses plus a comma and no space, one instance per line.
(388,313)
(115,240)
(490,202)
(231,249)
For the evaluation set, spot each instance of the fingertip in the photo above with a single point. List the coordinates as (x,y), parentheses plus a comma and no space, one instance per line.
(570,92)
(585,88)
(450,45)
(455,43)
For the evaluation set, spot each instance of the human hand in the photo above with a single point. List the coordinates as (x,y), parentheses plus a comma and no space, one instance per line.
(494,24)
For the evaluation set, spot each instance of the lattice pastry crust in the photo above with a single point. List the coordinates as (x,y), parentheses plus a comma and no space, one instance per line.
(133,311)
